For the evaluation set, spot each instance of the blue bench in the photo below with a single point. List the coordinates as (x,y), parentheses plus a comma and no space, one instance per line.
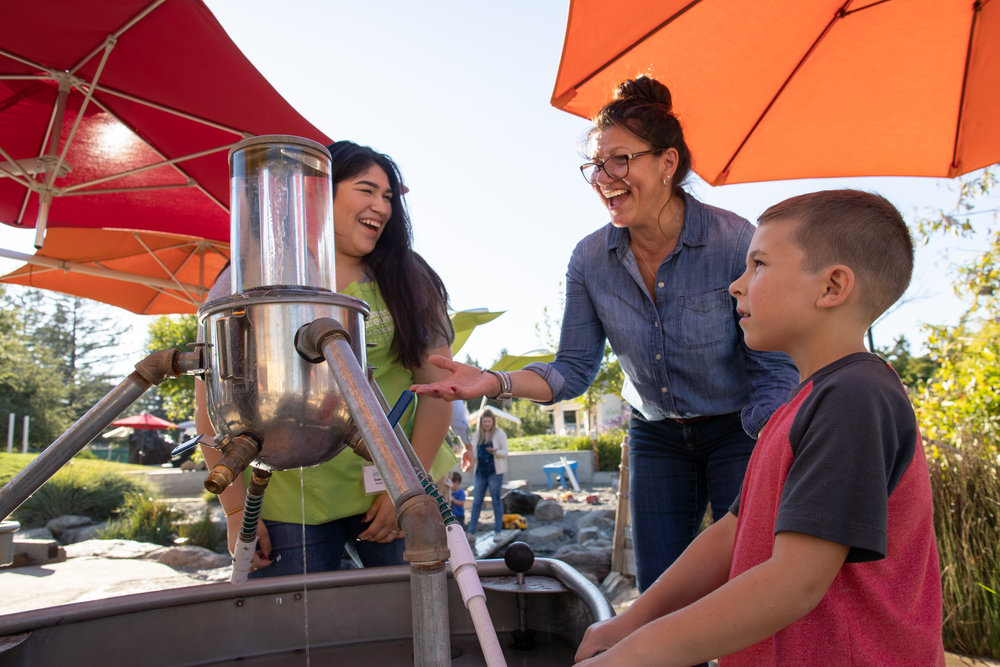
(559,472)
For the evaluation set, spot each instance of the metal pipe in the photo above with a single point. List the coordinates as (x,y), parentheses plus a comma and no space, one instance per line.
(66,446)
(150,371)
(416,512)
(428,600)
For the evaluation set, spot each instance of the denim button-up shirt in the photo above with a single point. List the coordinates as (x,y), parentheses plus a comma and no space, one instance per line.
(683,356)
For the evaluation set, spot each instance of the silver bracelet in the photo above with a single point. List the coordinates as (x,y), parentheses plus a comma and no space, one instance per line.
(506,385)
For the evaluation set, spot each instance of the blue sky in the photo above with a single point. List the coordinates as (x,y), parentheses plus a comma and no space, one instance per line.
(458,93)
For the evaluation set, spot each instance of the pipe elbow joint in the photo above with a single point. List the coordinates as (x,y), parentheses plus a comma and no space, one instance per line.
(421,522)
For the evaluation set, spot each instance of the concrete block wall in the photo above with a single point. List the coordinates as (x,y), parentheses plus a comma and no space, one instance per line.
(528,466)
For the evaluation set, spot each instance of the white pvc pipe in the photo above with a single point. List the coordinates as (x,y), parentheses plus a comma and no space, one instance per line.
(463,568)
(242,560)
(10,432)
(24,441)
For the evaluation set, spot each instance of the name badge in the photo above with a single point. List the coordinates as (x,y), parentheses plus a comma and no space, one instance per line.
(373,481)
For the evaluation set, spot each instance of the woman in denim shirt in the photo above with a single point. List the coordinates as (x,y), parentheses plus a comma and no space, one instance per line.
(655,283)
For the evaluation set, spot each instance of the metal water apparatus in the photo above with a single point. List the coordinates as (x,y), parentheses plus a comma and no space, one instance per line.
(287,383)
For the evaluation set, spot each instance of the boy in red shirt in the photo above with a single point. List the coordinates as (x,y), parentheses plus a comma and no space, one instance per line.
(828,556)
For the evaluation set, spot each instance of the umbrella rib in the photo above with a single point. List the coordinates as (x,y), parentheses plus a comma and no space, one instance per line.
(720,178)
(138,170)
(637,42)
(163,266)
(118,33)
(953,169)
(177,168)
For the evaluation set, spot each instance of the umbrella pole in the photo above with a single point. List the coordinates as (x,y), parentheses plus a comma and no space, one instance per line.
(148,372)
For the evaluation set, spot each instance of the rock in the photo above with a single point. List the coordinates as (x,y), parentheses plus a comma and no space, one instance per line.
(548,510)
(190,557)
(111,549)
(65,522)
(543,535)
(604,520)
(586,534)
(82,534)
(593,562)
(519,502)
(35,534)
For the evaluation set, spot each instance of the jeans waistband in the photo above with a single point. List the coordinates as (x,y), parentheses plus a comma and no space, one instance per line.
(697,420)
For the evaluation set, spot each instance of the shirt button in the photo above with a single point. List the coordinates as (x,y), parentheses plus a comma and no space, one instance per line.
(657,357)
(663,390)
(659,284)
(656,325)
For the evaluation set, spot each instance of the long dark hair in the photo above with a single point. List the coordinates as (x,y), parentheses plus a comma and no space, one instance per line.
(413,292)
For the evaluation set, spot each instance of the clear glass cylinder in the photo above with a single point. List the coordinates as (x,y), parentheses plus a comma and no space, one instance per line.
(281,214)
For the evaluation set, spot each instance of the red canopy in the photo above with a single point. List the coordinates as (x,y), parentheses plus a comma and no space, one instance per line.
(144,422)
(146,98)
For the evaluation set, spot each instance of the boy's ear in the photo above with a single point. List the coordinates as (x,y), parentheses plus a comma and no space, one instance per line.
(838,284)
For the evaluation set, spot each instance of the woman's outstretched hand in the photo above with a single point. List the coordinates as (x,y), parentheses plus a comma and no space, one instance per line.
(463,381)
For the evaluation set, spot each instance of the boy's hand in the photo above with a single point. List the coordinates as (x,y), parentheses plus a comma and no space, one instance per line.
(601,636)
(381,517)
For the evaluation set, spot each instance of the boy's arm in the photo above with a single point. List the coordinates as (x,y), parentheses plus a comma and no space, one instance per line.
(744,611)
(702,568)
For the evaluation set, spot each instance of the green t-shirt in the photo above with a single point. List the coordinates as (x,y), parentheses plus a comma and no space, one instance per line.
(335,489)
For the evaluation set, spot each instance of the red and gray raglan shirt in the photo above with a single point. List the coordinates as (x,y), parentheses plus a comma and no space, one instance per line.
(842,460)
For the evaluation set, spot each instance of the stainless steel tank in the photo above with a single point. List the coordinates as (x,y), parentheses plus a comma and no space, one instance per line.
(283,277)
(258,384)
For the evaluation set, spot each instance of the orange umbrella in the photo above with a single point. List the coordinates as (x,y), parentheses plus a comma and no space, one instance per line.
(148,273)
(144,422)
(776,89)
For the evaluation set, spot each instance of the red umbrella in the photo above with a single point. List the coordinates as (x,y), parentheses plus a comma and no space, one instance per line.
(780,89)
(121,115)
(144,422)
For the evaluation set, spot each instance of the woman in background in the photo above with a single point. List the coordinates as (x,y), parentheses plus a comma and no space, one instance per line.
(491,464)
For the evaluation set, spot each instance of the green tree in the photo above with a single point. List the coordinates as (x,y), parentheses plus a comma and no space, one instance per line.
(609,378)
(533,420)
(28,388)
(174,331)
(913,371)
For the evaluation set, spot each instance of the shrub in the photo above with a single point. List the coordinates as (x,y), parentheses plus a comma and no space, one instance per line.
(87,490)
(144,520)
(539,443)
(608,446)
(203,533)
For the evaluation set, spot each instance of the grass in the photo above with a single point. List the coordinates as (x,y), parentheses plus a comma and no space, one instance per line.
(143,519)
(967,522)
(96,489)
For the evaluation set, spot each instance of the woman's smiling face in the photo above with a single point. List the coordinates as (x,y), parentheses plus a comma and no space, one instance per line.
(362,206)
(640,195)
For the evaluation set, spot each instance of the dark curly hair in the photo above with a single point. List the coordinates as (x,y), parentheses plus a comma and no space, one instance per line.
(412,290)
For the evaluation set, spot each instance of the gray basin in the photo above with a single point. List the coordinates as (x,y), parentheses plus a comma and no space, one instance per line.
(354,617)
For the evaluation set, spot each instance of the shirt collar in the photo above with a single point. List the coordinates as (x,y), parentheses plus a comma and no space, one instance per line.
(693,233)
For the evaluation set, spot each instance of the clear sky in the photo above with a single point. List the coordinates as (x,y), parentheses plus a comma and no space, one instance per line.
(458,93)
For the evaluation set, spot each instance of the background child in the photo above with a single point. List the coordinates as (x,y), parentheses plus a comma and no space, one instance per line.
(828,557)
(457,497)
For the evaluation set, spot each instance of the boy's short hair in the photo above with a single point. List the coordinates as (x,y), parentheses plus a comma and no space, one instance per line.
(859,229)
(455,476)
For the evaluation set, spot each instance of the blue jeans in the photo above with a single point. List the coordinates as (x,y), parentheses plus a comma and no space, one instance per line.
(495,483)
(324,547)
(675,470)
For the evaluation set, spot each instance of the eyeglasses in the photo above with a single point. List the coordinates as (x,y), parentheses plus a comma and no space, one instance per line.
(615,166)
